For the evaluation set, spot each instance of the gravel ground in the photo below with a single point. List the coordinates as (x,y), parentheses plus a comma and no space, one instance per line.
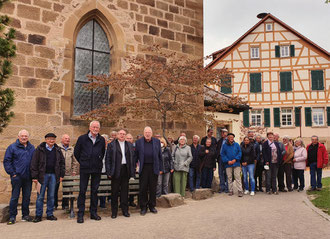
(261,216)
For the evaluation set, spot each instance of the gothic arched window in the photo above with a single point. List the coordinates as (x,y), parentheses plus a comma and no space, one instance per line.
(92,57)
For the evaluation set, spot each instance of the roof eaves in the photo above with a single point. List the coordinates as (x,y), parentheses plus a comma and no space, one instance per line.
(254,27)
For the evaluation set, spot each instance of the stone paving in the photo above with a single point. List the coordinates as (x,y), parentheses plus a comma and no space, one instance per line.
(262,216)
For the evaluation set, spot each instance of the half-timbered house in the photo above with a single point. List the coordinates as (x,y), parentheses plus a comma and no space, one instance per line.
(284,76)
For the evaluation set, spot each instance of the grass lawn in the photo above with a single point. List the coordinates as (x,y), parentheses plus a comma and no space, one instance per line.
(321,199)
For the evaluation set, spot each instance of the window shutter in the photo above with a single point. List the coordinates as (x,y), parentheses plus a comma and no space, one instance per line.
(292,50)
(285,81)
(308,116)
(258,83)
(317,80)
(267,117)
(226,88)
(246,118)
(277,122)
(252,85)
(277,51)
(255,82)
(297,115)
(282,82)
(328,115)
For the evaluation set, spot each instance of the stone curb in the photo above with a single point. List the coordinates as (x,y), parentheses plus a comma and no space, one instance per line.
(315,209)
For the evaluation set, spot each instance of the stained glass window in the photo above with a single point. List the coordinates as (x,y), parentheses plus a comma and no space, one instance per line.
(92,57)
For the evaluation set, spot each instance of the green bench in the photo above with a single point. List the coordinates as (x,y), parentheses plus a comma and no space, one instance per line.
(70,188)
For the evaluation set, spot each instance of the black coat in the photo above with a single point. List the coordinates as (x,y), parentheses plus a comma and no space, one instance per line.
(167,160)
(89,155)
(157,155)
(113,159)
(267,153)
(218,151)
(248,154)
(195,163)
(260,160)
(38,163)
(207,159)
(213,141)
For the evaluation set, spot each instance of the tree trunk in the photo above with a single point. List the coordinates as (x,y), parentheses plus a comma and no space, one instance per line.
(164,125)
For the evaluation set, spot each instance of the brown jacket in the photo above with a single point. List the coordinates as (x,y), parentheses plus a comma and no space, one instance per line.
(71,164)
(289,154)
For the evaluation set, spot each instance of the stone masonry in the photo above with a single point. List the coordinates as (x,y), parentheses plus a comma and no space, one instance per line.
(43,68)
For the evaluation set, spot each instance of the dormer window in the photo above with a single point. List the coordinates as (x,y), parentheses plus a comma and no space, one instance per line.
(269,27)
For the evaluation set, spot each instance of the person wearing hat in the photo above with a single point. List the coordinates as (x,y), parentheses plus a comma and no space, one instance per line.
(231,154)
(47,169)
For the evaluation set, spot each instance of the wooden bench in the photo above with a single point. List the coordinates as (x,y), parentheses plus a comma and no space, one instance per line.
(70,188)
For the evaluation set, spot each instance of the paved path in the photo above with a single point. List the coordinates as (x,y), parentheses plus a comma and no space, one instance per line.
(263,216)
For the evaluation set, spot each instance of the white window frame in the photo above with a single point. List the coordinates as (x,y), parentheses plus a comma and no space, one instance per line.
(271,27)
(319,113)
(257,113)
(255,52)
(285,51)
(287,113)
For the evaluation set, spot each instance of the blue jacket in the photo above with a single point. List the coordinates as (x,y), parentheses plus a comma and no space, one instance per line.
(157,155)
(89,155)
(230,152)
(18,159)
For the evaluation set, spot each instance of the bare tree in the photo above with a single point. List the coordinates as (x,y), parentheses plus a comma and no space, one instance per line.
(162,85)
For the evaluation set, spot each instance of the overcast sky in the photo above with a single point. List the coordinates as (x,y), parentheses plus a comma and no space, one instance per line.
(227,20)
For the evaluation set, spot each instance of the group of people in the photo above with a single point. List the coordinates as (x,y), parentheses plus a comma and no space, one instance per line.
(163,165)
(256,156)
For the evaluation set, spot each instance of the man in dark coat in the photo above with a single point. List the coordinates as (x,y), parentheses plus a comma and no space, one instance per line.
(47,169)
(194,167)
(259,164)
(272,155)
(209,136)
(17,162)
(120,167)
(89,152)
(149,156)
(221,166)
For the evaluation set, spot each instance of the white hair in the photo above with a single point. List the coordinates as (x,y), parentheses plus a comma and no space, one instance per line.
(94,121)
(147,127)
(301,142)
(196,136)
(183,137)
(64,135)
(286,137)
(23,131)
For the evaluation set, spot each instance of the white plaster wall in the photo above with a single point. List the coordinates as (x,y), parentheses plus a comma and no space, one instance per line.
(278,37)
(290,36)
(278,27)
